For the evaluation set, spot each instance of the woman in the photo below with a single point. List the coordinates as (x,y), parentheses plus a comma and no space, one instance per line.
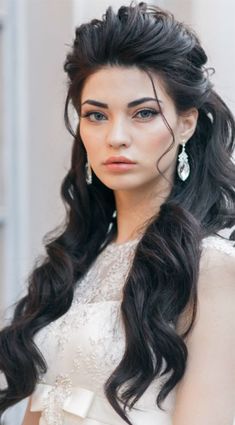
(130,318)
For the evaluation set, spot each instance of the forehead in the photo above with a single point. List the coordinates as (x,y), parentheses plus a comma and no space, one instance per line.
(124,83)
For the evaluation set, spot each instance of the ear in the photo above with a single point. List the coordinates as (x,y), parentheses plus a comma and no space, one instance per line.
(188,123)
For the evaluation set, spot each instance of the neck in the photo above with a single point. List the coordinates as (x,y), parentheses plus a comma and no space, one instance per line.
(134,210)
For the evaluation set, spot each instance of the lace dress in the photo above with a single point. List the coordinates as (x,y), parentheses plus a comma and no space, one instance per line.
(83,347)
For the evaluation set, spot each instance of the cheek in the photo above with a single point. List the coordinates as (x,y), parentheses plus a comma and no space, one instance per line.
(89,139)
(158,140)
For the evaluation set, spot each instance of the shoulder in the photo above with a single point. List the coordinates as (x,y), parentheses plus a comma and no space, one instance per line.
(210,368)
(216,292)
(217,265)
(211,342)
(216,283)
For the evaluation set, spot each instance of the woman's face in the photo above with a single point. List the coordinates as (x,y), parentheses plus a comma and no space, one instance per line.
(120,117)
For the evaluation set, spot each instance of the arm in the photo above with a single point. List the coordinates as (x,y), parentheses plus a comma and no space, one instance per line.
(31,418)
(206,393)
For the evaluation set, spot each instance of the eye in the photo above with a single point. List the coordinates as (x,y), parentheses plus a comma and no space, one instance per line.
(96,115)
(144,114)
(147,113)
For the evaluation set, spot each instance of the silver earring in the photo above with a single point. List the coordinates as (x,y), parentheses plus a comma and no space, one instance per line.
(88,173)
(183,168)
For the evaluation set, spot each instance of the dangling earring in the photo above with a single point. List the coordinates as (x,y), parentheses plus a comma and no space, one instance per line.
(88,173)
(183,168)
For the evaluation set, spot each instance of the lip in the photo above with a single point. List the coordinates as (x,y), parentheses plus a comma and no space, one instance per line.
(120,166)
(118,160)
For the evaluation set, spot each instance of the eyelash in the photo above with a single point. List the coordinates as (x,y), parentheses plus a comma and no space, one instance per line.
(88,114)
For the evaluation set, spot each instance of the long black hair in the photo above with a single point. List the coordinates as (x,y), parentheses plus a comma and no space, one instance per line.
(162,282)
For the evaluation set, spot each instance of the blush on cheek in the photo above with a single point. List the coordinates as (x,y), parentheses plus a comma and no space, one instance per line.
(160,146)
(162,141)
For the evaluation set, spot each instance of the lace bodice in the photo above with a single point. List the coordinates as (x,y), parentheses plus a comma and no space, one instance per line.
(83,347)
(102,282)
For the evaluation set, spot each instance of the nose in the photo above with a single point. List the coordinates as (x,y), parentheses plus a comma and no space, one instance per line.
(118,134)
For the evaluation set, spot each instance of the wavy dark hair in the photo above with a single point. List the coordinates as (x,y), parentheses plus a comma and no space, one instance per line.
(162,283)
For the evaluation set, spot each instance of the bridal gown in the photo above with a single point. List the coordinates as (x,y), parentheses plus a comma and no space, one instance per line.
(84,346)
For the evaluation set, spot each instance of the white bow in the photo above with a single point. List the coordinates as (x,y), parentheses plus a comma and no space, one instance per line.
(75,400)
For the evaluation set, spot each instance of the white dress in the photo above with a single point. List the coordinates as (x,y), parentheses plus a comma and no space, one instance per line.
(85,345)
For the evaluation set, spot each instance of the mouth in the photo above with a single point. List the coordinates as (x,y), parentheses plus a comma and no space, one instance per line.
(120,166)
(118,160)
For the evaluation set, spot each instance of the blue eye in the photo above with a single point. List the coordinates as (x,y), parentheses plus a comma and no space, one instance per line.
(147,113)
(98,115)
(144,114)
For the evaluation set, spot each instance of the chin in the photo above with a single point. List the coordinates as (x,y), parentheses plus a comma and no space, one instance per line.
(119,186)
(122,182)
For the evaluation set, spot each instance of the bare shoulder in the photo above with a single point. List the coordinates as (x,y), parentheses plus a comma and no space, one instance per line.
(216,294)
(216,282)
(217,266)
(210,373)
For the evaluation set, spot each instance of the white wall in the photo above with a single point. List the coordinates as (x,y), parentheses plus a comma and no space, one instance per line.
(38,146)
(89,9)
(46,29)
(214,21)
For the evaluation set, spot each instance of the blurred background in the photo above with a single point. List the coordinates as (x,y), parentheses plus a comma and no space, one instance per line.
(34,144)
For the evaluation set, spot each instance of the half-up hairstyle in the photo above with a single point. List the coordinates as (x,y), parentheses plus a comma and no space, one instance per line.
(162,282)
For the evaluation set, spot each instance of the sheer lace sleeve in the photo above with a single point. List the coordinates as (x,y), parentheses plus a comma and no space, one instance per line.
(220,244)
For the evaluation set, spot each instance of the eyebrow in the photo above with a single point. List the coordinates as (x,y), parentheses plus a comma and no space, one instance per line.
(129,105)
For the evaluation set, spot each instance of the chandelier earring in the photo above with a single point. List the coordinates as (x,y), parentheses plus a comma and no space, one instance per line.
(88,173)
(183,168)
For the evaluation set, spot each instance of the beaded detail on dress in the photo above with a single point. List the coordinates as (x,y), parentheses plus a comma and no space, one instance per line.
(54,399)
(111,267)
(95,310)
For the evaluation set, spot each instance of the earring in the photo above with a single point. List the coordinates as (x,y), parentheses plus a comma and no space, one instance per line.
(183,168)
(88,173)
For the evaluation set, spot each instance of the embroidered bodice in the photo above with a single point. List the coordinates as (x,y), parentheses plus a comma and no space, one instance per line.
(83,347)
